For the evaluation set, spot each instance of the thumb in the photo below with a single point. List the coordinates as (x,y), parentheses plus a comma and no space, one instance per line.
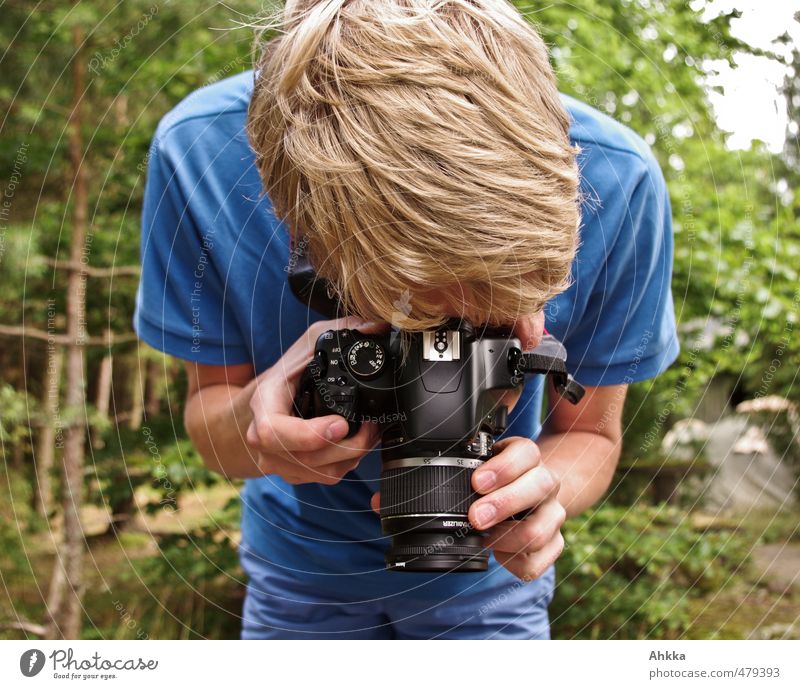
(252,435)
(375,503)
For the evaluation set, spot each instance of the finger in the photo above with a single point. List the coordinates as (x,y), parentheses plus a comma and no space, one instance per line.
(529,490)
(530,534)
(529,330)
(530,566)
(375,502)
(348,449)
(510,440)
(515,458)
(269,467)
(252,435)
(310,467)
(333,473)
(281,433)
(296,474)
(274,393)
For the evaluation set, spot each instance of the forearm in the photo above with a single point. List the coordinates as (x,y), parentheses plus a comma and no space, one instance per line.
(216,419)
(585,464)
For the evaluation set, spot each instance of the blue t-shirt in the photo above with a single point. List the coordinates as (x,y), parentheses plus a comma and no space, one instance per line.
(214,290)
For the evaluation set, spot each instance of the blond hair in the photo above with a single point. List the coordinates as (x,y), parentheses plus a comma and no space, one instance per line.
(422,149)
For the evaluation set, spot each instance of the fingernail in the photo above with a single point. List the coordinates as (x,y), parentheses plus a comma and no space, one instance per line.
(485,479)
(485,514)
(337,430)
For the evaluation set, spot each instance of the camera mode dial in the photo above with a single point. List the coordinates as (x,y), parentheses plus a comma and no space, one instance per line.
(366,359)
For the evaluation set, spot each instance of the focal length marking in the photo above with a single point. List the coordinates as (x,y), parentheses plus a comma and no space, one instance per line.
(410,462)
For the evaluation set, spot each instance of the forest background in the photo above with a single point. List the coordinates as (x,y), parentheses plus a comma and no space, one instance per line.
(111,527)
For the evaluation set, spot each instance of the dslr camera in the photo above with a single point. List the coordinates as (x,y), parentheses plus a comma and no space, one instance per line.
(438,403)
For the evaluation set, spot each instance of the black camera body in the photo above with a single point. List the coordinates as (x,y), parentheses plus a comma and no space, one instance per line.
(439,409)
(437,398)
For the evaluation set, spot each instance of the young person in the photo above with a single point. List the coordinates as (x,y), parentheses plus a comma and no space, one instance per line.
(423,151)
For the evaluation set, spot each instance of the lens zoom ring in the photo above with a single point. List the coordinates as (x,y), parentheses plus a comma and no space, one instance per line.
(426,490)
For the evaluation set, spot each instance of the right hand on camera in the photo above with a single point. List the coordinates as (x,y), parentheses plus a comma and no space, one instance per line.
(304,450)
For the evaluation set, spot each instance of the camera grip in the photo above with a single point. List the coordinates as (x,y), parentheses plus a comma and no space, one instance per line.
(303,402)
(314,399)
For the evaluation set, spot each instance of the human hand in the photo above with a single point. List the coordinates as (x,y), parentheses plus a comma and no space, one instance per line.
(515,480)
(304,450)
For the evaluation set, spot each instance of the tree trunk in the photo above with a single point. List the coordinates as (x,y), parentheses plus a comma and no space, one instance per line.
(64,601)
(51,435)
(104,385)
(104,378)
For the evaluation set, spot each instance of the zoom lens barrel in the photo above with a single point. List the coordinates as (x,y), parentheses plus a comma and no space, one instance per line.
(424,505)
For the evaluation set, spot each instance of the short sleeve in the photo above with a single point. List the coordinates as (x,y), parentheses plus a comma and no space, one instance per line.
(625,330)
(180,303)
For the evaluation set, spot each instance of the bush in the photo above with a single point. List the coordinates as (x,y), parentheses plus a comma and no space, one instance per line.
(193,587)
(631,572)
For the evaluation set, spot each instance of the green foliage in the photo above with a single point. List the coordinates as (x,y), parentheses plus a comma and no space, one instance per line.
(19,410)
(639,61)
(21,557)
(196,577)
(644,62)
(737,240)
(631,572)
(774,527)
(201,556)
(142,57)
(149,458)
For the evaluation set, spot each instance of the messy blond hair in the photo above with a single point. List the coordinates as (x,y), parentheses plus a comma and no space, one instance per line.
(422,149)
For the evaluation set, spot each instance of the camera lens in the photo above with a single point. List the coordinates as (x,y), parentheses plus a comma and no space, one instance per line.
(424,505)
